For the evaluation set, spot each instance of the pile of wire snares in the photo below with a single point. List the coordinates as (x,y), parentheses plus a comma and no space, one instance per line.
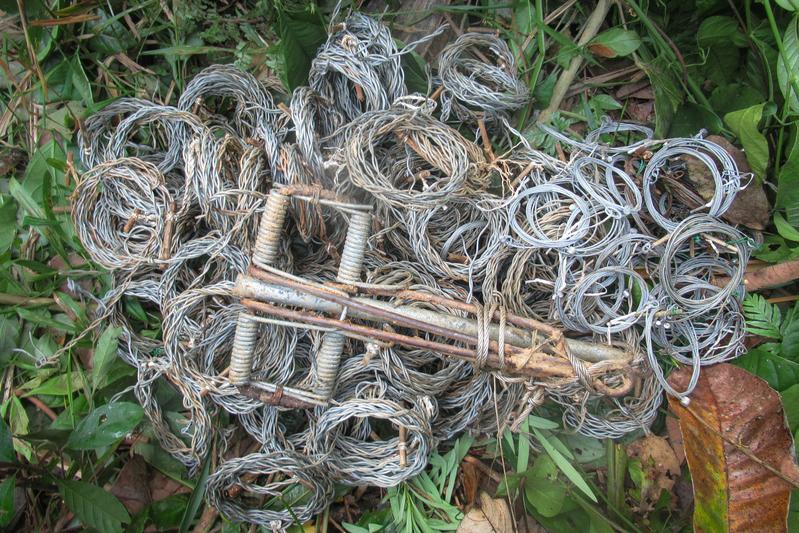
(597,245)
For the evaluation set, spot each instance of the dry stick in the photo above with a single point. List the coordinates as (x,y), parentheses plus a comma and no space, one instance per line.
(14,299)
(567,76)
(766,277)
(486,141)
(23,18)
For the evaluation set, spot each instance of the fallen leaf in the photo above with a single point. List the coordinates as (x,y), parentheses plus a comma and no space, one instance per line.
(735,441)
(131,485)
(162,487)
(751,206)
(471,478)
(493,516)
(660,466)
(675,438)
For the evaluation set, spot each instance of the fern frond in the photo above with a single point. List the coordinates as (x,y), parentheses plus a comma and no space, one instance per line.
(762,318)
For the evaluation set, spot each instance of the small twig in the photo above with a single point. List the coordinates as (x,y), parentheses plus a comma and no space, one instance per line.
(23,18)
(766,277)
(783,299)
(26,301)
(207,519)
(403,447)
(486,141)
(493,474)
(39,405)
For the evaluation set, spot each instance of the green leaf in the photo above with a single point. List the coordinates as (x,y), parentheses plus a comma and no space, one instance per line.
(734,96)
(790,402)
(7,500)
(744,123)
(765,361)
(788,65)
(788,182)
(615,42)
(762,318)
(721,30)
(415,68)
(8,222)
(301,35)
(197,497)
(104,355)
(60,385)
(7,454)
(790,338)
(80,82)
(95,507)
(542,489)
(690,118)
(785,230)
(105,425)
(541,423)
(564,465)
(788,5)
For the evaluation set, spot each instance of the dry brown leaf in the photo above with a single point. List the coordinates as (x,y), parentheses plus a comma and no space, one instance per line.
(675,438)
(738,448)
(470,480)
(493,516)
(131,485)
(750,207)
(659,464)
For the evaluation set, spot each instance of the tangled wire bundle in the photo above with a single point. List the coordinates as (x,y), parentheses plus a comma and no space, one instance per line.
(170,206)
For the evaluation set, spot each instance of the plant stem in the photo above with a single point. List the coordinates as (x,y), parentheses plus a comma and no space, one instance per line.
(566,78)
(781,47)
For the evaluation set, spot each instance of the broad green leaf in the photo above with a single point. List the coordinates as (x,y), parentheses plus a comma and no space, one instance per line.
(765,362)
(301,34)
(564,465)
(789,5)
(415,68)
(162,461)
(60,385)
(7,454)
(788,65)
(105,425)
(94,506)
(720,30)
(37,167)
(790,402)
(734,96)
(744,123)
(585,449)
(615,42)
(104,355)
(80,82)
(785,230)
(788,181)
(790,339)
(7,500)
(542,489)
(18,423)
(8,222)
(690,118)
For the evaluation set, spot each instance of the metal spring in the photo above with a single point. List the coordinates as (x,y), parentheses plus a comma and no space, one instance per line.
(349,271)
(243,349)
(268,241)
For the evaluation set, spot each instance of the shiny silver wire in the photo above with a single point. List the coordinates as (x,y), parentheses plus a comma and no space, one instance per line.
(179,200)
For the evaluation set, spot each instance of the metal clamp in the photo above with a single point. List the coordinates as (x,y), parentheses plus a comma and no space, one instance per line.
(265,257)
